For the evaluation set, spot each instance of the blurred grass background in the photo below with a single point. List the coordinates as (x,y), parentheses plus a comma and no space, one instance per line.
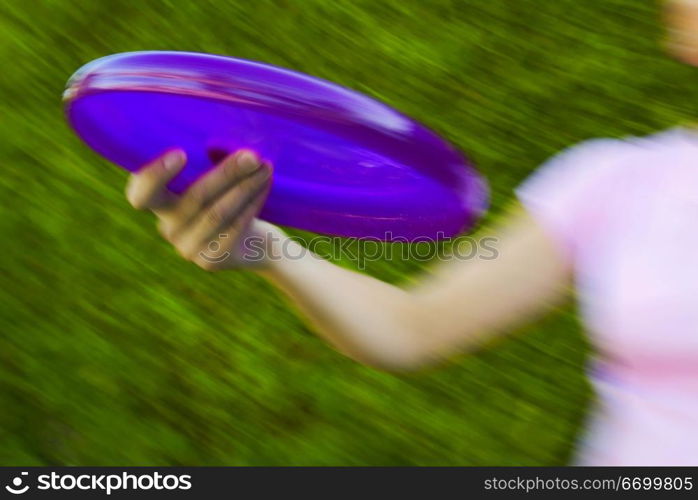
(115,352)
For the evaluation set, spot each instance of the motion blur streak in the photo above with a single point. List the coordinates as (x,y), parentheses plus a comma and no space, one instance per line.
(115,351)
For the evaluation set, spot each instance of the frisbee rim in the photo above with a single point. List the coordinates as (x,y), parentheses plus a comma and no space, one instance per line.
(457,175)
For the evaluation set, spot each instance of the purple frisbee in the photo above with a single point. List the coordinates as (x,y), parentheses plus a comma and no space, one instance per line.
(344,164)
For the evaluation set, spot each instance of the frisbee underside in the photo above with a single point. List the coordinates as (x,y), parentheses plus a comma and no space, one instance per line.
(344,164)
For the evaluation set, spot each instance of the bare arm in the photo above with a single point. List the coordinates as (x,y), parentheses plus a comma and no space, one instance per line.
(392,328)
(465,302)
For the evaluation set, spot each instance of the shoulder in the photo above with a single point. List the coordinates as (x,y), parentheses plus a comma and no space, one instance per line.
(579,163)
(575,192)
(573,173)
(572,188)
(587,164)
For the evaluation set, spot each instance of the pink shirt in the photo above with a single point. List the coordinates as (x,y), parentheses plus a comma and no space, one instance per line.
(625,214)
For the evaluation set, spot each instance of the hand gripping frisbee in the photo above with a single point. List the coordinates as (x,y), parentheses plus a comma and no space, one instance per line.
(344,164)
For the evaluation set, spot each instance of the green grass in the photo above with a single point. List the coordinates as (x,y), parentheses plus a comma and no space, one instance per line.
(114,351)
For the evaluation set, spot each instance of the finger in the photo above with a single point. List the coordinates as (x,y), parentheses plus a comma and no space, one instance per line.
(229,249)
(175,224)
(147,188)
(223,212)
(232,170)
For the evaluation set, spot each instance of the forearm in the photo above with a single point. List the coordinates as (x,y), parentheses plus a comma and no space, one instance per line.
(371,321)
(461,306)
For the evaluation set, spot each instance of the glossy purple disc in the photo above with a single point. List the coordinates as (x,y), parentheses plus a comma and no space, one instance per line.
(344,164)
